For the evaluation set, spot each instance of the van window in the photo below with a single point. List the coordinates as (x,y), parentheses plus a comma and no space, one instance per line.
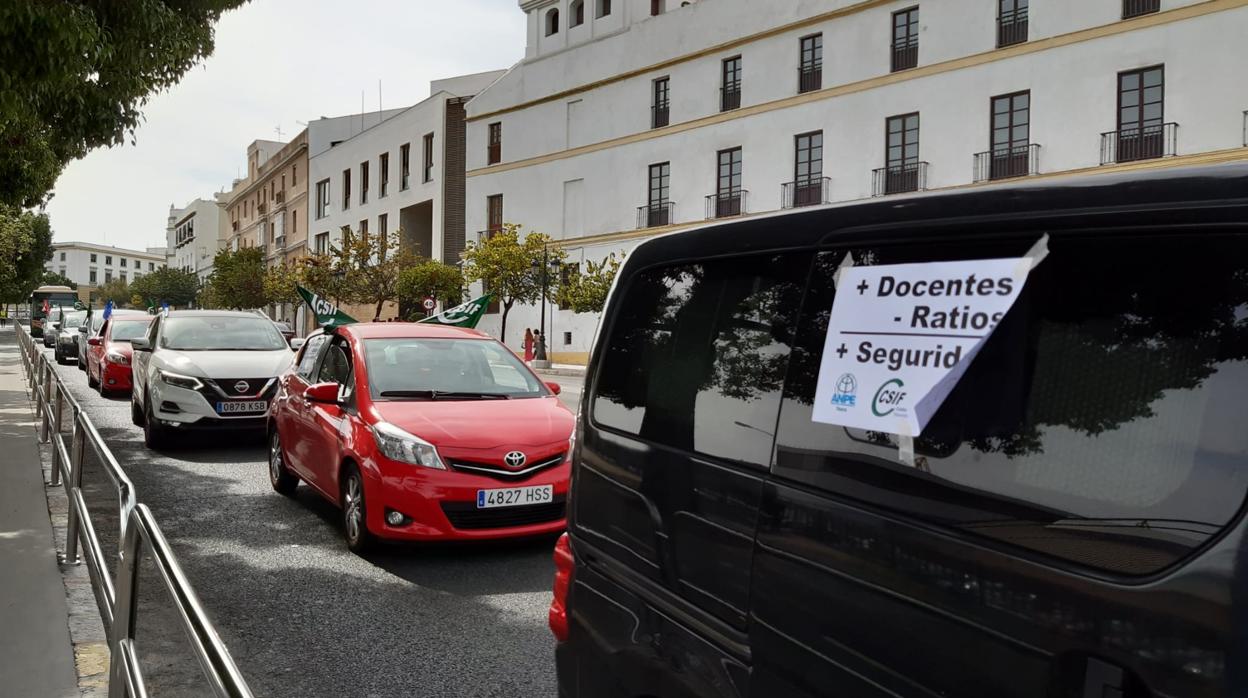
(697,355)
(1102,422)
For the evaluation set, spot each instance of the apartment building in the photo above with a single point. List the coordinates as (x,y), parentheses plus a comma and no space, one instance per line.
(631,118)
(195,233)
(90,265)
(405,173)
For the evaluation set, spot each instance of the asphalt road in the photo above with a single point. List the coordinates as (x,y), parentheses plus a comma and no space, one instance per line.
(301,615)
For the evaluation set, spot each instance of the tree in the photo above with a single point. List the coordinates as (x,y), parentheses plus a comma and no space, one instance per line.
(511,268)
(586,291)
(237,279)
(117,291)
(74,75)
(280,281)
(25,244)
(172,286)
(372,264)
(51,279)
(430,278)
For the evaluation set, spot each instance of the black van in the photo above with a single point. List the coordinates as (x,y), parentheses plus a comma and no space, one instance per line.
(1071,523)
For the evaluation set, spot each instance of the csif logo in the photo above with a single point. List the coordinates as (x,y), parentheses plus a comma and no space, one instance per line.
(888,398)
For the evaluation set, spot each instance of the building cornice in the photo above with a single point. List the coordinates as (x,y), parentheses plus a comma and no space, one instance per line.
(272,170)
(1144,22)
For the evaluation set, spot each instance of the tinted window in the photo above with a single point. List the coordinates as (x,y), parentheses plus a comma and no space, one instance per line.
(221,333)
(697,354)
(470,366)
(1102,422)
(311,350)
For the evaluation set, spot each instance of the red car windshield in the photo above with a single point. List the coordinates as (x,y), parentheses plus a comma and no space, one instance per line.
(126,331)
(446,369)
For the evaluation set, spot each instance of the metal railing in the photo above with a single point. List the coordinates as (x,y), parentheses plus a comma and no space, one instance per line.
(660,115)
(1135,8)
(1142,143)
(727,204)
(138,533)
(1012,27)
(806,192)
(1011,161)
(905,54)
(899,179)
(656,215)
(730,97)
(810,78)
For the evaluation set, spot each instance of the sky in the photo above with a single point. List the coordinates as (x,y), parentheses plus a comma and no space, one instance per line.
(277,63)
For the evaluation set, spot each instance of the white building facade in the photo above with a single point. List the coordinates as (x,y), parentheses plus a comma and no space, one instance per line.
(194,235)
(89,264)
(405,173)
(660,115)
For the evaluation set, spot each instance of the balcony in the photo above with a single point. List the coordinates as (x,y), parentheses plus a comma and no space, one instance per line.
(660,115)
(656,215)
(806,192)
(1143,143)
(905,54)
(810,78)
(727,204)
(1135,8)
(730,97)
(899,179)
(1003,163)
(262,208)
(280,198)
(234,226)
(279,242)
(1012,28)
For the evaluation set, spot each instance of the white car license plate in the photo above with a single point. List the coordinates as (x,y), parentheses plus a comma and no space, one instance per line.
(242,407)
(515,496)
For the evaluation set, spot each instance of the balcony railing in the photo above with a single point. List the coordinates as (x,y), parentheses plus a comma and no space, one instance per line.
(280,198)
(1012,27)
(656,215)
(234,226)
(905,54)
(262,208)
(1011,161)
(727,204)
(495,153)
(899,179)
(1143,143)
(810,78)
(806,192)
(660,115)
(1135,8)
(730,97)
(279,242)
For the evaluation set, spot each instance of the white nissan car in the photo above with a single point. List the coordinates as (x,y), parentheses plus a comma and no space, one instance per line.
(205,370)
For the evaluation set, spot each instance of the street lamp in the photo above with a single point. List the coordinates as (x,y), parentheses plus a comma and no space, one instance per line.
(548,266)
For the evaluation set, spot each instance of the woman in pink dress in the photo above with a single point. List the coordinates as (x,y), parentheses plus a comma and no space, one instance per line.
(528,345)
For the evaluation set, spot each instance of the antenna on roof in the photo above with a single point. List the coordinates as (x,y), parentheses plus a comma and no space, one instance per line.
(279,131)
(379,101)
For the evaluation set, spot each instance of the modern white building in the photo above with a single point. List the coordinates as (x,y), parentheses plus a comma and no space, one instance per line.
(405,173)
(195,233)
(630,118)
(89,264)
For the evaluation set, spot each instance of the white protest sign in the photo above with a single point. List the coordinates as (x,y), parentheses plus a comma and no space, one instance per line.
(900,337)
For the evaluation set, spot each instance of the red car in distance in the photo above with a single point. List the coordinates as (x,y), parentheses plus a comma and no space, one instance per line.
(422,432)
(109,352)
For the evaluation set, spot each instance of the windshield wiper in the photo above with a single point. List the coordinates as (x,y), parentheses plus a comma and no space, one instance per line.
(444,394)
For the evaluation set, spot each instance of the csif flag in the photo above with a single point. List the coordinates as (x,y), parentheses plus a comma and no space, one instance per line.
(466,315)
(327,314)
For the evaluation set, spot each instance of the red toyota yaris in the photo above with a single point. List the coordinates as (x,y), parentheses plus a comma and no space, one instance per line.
(421,432)
(109,353)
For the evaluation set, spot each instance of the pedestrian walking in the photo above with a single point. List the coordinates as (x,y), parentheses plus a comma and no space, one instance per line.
(528,345)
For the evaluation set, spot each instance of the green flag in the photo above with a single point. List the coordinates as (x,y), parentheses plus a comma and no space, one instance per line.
(327,314)
(466,315)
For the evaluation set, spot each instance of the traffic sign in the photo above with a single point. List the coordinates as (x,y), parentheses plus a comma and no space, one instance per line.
(429,303)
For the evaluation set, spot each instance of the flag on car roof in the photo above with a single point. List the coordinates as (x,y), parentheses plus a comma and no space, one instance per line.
(327,314)
(466,315)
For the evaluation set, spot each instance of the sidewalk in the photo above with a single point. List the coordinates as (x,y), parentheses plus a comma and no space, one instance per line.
(36,656)
(561,370)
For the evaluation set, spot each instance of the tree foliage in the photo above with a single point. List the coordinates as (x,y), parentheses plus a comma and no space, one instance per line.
(74,75)
(173,286)
(117,291)
(237,279)
(280,281)
(25,244)
(511,267)
(441,281)
(370,266)
(586,290)
(54,279)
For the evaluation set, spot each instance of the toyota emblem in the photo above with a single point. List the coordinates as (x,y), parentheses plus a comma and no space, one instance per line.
(514,459)
(242,386)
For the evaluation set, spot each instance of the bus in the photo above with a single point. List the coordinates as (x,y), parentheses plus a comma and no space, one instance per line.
(44,299)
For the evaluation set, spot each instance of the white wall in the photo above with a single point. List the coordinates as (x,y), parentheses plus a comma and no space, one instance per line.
(77,264)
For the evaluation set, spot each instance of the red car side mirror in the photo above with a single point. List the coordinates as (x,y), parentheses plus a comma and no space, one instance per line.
(322,392)
(94,341)
(554,387)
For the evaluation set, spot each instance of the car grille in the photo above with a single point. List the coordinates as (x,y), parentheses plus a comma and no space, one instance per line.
(502,472)
(466,516)
(217,389)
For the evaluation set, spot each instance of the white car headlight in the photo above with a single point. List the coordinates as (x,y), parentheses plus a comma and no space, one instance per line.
(178,380)
(116,357)
(399,445)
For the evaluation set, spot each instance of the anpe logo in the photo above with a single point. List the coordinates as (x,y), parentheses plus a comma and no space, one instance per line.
(888,398)
(846,391)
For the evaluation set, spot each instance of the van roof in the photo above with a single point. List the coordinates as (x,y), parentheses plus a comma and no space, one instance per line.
(1086,196)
